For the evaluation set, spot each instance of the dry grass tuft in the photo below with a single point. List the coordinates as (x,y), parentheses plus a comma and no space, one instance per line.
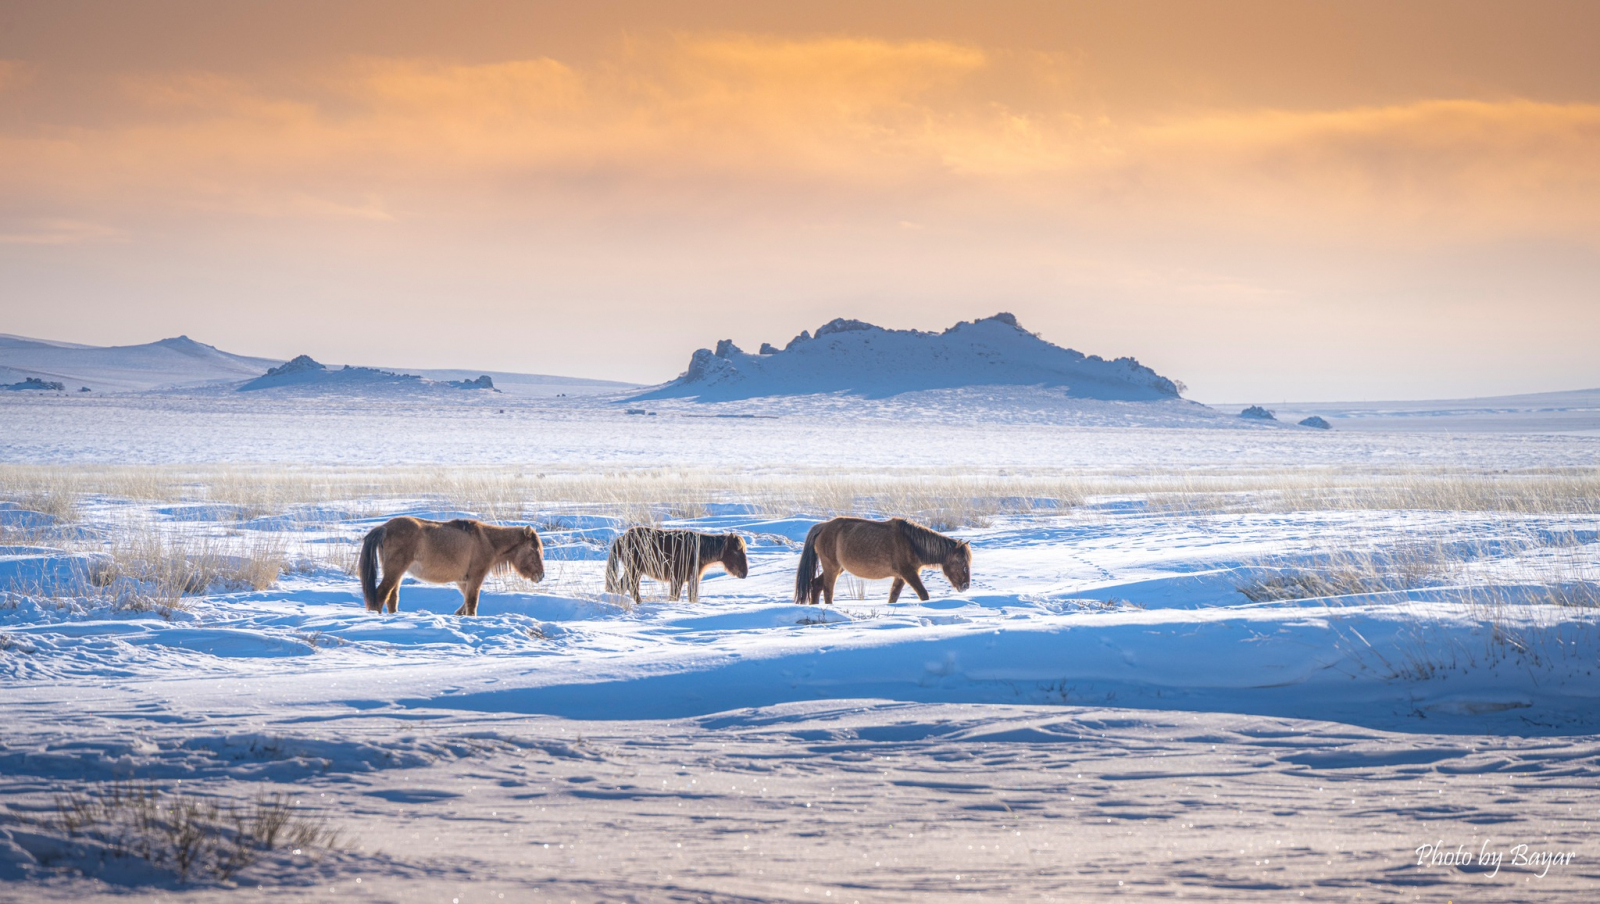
(1522,593)
(142,569)
(1350,573)
(187,834)
(172,565)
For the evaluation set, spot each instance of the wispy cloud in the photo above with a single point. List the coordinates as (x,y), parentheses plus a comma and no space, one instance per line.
(56,232)
(865,121)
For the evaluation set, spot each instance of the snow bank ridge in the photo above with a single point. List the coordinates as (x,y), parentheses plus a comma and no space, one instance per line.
(859,358)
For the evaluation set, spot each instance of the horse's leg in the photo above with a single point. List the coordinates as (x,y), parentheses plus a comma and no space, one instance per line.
(828,579)
(469,596)
(676,586)
(633,585)
(694,587)
(916,584)
(394,562)
(823,585)
(895,588)
(389,587)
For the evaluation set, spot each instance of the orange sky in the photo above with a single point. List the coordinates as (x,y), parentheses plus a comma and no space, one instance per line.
(1267,200)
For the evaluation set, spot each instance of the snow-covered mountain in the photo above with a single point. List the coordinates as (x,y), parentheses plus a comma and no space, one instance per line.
(857,358)
(179,361)
(182,362)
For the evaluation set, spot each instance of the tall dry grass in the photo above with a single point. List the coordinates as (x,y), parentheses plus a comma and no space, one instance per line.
(176,564)
(938,497)
(142,566)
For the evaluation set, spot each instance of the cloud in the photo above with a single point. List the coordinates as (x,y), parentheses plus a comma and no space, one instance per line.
(56,232)
(1452,165)
(844,123)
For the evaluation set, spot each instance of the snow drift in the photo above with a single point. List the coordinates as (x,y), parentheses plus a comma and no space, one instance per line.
(857,358)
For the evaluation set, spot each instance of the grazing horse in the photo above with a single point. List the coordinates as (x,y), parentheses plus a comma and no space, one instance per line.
(678,557)
(460,552)
(895,548)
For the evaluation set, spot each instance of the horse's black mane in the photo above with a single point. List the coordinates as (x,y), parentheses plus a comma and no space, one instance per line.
(931,547)
(711,545)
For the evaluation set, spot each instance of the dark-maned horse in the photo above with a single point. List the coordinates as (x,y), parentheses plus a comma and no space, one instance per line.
(461,552)
(677,557)
(874,550)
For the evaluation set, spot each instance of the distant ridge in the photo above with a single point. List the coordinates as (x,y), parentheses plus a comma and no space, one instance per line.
(178,361)
(182,363)
(857,358)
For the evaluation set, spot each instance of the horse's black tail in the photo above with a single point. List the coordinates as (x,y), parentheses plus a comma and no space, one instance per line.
(806,575)
(614,566)
(367,568)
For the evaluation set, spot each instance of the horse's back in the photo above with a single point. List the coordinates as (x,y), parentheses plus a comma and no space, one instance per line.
(438,551)
(403,525)
(863,547)
(862,532)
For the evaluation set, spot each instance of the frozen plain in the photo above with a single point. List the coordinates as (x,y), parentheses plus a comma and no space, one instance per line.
(1102,713)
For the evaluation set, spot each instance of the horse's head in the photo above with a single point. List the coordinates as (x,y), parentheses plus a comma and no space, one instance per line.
(527,559)
(733,557)
(957,567)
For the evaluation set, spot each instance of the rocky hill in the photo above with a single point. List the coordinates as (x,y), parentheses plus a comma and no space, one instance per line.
(856,358)
(304,372)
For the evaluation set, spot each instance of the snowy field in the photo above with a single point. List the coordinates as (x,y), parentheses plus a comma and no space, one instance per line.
(1199,658)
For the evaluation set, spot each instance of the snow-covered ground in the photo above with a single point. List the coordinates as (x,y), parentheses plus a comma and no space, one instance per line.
(1574,411)
(950,430)
(1105,711)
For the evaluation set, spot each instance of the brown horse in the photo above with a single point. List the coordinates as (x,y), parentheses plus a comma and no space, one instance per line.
(895,548)
(678,557)
(460,552)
